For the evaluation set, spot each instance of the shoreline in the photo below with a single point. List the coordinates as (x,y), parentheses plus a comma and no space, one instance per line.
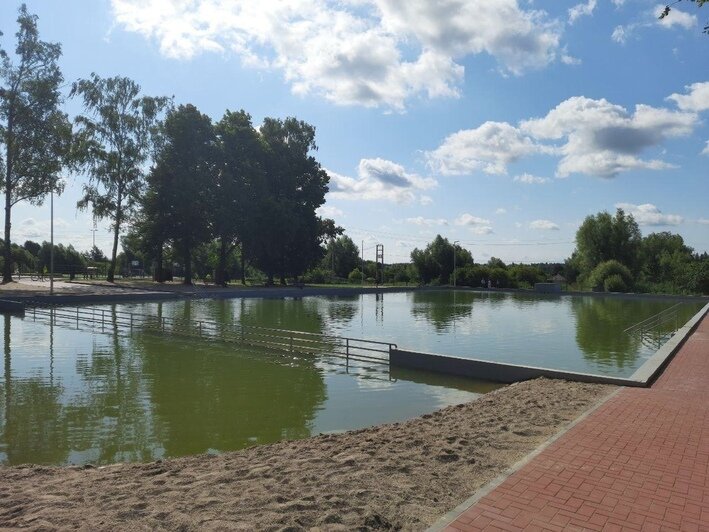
(398,476)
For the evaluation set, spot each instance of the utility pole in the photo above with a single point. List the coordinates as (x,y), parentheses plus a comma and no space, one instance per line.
(454,254)
(380,260)
(362,248)
(94,233)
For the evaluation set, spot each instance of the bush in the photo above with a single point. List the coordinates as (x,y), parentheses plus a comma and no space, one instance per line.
(317,276)
(355,276)
(609,268)
(614,283)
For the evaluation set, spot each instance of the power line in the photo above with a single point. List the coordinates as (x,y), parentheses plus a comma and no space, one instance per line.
(409,238)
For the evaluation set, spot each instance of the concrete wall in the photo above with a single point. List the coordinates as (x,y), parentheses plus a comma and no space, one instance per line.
(492,371)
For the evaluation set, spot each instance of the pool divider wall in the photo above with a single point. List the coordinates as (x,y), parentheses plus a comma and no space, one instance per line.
(509,373)
(12,307)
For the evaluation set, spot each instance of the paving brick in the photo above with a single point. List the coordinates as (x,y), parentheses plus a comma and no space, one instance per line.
(639,462)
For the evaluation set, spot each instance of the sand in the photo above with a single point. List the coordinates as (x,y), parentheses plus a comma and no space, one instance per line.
(397,476)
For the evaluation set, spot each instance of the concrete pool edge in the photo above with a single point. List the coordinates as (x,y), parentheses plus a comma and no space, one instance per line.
(509,373)
(657,362)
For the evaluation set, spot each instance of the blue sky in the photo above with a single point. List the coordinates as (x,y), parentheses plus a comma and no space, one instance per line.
(498,124)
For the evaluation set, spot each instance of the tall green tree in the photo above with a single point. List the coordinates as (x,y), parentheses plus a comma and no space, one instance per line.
(35,135)
(234,201)
(603,237)
(185,161)
(435,262)
(341,256)
(115,142)
(290,232)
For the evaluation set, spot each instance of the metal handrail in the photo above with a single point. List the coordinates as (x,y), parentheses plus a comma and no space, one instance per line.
(656,319)
(268,337)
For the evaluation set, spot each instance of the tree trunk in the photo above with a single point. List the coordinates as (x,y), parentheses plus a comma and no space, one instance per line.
(159,274)
(220,274)
(7,267)
(116,231)
(188,266)
(243,266)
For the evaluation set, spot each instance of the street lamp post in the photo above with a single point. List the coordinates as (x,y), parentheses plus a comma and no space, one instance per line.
(454,254)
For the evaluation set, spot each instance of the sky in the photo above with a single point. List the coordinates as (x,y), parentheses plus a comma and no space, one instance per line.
(500,125)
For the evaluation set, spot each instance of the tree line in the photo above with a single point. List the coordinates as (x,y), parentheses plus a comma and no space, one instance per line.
(169,174)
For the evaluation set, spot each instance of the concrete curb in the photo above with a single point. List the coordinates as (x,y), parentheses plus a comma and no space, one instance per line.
(449,517)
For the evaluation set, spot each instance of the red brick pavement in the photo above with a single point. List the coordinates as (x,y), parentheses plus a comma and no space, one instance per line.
(639,462)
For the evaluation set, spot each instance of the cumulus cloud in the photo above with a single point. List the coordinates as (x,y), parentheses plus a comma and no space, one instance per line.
(696,100)
(489,147)
(543,225)
(529,179)
(580,10)
(675,18)
(604,139)
(703,221)
(379,179)
(705,151)
(649,214)
(592,137)
(352,52)
(501,210)
(427,222)
(477,225)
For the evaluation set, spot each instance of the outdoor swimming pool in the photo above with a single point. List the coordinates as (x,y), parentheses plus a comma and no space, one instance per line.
(77,396)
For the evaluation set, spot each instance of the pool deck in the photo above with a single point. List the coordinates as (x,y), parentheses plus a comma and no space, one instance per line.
(640,461)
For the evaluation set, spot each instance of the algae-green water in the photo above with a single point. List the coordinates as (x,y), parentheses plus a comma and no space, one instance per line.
(77,396)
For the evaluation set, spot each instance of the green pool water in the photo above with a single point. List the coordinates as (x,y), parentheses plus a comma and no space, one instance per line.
(78,396)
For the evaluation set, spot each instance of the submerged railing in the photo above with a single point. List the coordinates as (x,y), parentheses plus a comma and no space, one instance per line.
(282,340)
(654,331)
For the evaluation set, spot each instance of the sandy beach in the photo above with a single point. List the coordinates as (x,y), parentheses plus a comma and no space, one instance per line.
(401,476)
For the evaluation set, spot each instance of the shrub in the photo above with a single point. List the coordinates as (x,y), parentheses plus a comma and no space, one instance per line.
(317,276)
(355,276)
(614,283)
(609,268)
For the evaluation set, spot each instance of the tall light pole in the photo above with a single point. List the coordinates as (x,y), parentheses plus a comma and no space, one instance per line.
(454,254)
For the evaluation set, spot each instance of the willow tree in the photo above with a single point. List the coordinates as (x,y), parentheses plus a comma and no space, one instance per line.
(35,135)
(115,140)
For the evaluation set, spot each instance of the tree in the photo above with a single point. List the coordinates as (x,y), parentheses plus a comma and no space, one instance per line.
(604,237)
(34,133)
(290,233)
(235,185)
(114,143)
(341,256)
(668,8)
(435,262)
(663,255)
(185,162)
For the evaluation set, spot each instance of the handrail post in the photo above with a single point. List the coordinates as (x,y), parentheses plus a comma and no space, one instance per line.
(102,314)
(77,318)
(347,348)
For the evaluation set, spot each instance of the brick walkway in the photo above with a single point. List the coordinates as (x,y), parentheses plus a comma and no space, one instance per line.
(639,462)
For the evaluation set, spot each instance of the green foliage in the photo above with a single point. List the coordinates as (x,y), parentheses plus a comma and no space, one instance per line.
(434,264)
(115,139)
(318,276)
(604,237)
(341,256)
(35,135)
(609,268)
(614,283)
(523,275)
(472,275)
(666,11)
(355,276)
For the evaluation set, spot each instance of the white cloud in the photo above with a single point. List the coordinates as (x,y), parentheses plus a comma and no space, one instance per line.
(427,222)
(649,214)
(425,200)
(705,151)
(490,148)
(697,100)
(529,179)
(675,17)
(501,210)
(544,225)
(379,179)
(703,221)
(620,34)
(604,139)
(580,10)
(328,211)
(477,225)
(355,51)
